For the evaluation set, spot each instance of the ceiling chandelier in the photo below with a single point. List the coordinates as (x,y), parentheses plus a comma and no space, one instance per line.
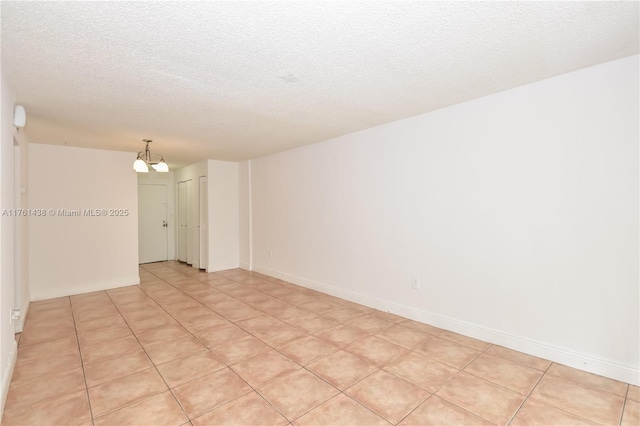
(145,159)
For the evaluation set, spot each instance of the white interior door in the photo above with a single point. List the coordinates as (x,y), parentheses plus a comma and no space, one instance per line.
(17,236)
(202,223)
(191,228)
(152,223)
(183,210)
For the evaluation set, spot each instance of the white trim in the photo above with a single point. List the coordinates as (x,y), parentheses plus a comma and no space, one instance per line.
(585,362)
(86,288)
(250,207)
(7,374)
(244,265)
(223,267)
(24,310)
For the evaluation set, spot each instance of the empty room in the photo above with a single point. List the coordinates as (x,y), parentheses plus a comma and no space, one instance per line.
(319,213)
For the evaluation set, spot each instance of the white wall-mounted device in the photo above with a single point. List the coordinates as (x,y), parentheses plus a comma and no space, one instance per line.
(19,116)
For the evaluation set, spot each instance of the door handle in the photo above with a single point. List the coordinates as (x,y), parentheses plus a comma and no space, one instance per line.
(164,224)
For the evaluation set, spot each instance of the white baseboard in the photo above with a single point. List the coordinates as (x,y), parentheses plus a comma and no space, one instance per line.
(246,266)
(7,373)
(222,267)
(565,356)
(24,310)
(85,288)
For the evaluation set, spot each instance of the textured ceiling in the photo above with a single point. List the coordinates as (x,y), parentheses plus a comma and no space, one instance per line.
(237,80)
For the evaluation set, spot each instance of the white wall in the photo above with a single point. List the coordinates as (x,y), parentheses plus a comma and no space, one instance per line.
(71,255)
(223,186)
(8,347)
(168,180)
(21,231)
(222,211)
(518,212)
(244,210)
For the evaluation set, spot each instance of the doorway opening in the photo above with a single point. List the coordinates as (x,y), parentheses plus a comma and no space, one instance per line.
(153,223)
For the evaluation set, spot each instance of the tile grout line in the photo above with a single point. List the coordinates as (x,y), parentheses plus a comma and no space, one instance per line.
(241,280)
(443,384)
(369,409)
(342,349)
(278,351)
(224,363)
(134,334)
(496,384)
(528,395)
(546,371)
(188,355)
(150,360)
(84,374)
(624,404)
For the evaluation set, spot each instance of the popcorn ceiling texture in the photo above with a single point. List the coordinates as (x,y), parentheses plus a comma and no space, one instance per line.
(238,80)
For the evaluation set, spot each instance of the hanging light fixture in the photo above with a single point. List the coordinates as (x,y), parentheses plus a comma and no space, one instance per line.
(144,160)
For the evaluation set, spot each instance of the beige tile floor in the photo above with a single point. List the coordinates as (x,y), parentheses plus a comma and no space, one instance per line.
(240,348)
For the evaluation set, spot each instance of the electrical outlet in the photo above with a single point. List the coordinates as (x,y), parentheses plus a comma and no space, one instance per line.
(14,315)
(415,283)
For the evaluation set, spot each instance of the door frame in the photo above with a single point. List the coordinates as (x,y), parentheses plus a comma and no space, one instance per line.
(166,179)
(182,196)
(166,215)
(203,220)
